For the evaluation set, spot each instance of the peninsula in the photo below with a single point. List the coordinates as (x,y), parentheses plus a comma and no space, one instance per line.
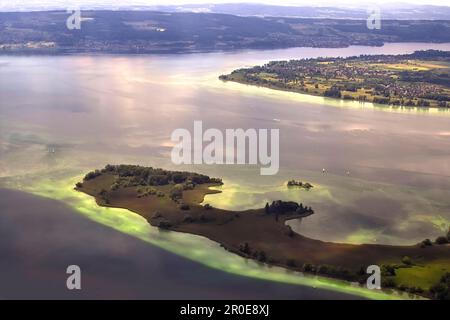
(420,79)
(173,200)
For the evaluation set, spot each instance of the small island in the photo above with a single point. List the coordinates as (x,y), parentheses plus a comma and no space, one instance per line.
(173,200)
(299,184)
(420,79)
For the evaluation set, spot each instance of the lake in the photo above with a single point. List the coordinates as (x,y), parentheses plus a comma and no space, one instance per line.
(387,169)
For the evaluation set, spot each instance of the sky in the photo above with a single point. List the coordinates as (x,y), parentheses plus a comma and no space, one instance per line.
(179,2)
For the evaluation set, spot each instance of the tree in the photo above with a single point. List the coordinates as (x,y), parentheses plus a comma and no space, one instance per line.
(164,224)
(267,208)
(441,290)
(262,256)
(91,175)
(333,92)
(207,206)
(426,243)
(176,192)
(387,270)
(245,248)
(362,271)
(441,240)
(406,260)
(442,104)
(308,267)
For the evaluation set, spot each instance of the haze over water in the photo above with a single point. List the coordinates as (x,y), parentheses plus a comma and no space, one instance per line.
(387,170)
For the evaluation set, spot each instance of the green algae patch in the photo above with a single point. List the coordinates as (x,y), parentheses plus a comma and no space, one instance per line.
(189,246)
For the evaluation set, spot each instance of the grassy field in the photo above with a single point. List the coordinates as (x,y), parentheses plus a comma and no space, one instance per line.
(422,275)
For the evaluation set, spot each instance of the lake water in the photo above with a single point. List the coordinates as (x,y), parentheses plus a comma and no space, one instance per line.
(36,249)
(387,170)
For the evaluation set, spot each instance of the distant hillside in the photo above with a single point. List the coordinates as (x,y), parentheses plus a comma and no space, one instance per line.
(334,10)
(392,11)
(162,32)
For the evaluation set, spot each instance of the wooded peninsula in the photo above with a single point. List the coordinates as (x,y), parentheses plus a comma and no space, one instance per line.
(173,200)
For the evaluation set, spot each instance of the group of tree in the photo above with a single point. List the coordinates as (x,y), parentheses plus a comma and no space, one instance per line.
(441,290)
(333,92)
(135,175)
(283,207)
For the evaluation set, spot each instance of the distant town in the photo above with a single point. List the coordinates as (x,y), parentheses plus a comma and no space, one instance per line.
(144,32)
(421,79)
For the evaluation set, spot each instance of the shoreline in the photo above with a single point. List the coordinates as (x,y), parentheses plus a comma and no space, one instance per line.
(417,80)
(6,53)
(211,254)
(382,105)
